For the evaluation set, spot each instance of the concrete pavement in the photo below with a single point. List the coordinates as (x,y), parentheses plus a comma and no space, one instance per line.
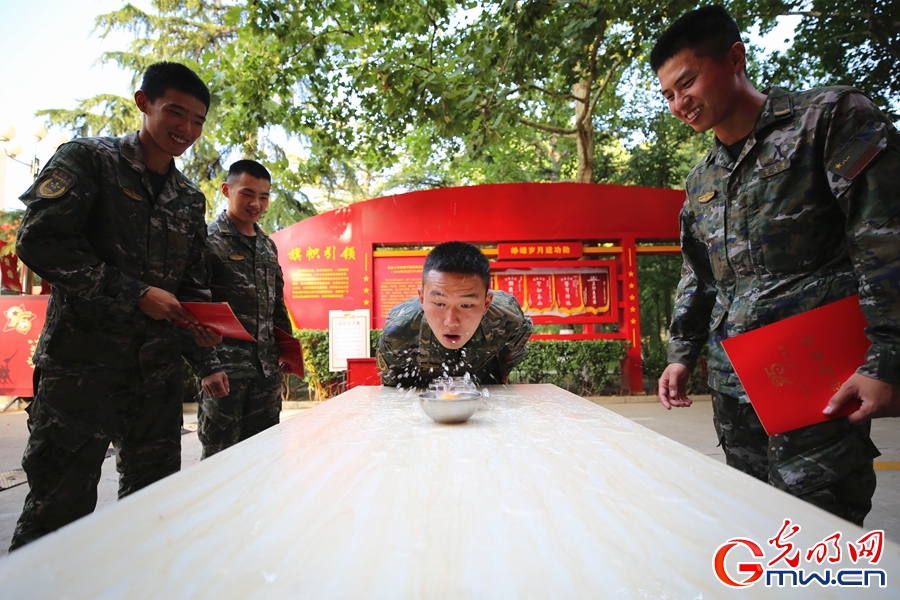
(691,427)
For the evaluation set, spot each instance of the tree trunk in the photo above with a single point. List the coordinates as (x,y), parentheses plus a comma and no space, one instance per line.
(584,132)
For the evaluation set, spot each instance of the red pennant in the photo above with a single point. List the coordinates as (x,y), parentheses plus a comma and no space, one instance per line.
(568,293)
(539,292)
(596,292)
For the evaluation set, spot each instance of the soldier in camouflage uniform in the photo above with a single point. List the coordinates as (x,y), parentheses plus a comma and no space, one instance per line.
(241,380)
(456,325)
(118,232)
(795,206)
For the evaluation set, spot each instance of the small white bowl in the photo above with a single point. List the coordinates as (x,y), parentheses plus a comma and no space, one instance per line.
(450,410)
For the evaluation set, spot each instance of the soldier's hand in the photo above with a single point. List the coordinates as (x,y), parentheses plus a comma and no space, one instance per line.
(673,386)
(204,336)
(879,399)
(158,304)
(216,385)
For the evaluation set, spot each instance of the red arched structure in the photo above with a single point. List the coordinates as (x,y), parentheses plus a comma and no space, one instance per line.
(564,236)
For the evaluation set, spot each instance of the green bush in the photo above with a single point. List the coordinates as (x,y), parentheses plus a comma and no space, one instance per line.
(586,367)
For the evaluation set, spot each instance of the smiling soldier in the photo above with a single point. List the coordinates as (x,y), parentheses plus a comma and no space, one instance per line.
(241,380)
(118,231)
(794,207)
(456,325)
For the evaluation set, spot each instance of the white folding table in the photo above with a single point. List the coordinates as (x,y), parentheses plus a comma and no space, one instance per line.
(541,494)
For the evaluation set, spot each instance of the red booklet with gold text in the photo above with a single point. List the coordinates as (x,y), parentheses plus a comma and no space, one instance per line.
(792,368)
(219,317)
(290,353)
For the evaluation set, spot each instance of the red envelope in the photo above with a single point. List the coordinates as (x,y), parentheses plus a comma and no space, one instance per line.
(792,368)
(290,352)
(219,317)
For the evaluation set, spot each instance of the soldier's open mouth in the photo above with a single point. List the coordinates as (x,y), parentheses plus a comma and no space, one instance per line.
(451,337)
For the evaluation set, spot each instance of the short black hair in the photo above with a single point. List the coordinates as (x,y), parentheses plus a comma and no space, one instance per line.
(250,167)
(708,31)
(461,258)
(163,76)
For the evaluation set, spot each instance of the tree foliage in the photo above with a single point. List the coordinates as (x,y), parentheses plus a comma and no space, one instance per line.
(841,43)
(391,96)
(469,77)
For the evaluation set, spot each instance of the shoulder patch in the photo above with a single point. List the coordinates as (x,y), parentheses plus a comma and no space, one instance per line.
(853,158)
(55,183)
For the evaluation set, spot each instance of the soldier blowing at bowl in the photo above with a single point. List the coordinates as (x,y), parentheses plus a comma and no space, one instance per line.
(456,324)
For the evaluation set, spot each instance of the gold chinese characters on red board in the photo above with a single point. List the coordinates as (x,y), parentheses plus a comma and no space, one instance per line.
(565,292)
(539,250)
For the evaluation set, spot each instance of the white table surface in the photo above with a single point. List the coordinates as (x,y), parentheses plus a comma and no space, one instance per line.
(542,494)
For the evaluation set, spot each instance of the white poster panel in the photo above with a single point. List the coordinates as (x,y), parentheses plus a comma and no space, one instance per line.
(348,337)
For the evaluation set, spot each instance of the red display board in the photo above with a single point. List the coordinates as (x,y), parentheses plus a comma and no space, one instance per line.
(21,321)
(396,279)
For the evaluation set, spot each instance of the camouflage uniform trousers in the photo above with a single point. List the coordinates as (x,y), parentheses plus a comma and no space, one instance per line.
(253,405)
(828,465)
(72,420)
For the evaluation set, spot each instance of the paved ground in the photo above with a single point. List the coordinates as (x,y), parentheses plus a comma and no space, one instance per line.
(691,427)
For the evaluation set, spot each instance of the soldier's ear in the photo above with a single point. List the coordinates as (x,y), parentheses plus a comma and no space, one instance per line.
(421,296)
(487,301)
(140,98)
(225,188)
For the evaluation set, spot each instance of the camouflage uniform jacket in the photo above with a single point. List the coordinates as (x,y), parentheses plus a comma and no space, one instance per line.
(410,356)
(809,213)
(94,232)
(251,282)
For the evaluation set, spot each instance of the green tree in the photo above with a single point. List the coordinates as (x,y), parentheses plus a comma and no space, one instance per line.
(470,72)
(839,43)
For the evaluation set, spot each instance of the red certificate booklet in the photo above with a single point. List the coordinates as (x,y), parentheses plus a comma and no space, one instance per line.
(792,368)
(290,353)
(219,317)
